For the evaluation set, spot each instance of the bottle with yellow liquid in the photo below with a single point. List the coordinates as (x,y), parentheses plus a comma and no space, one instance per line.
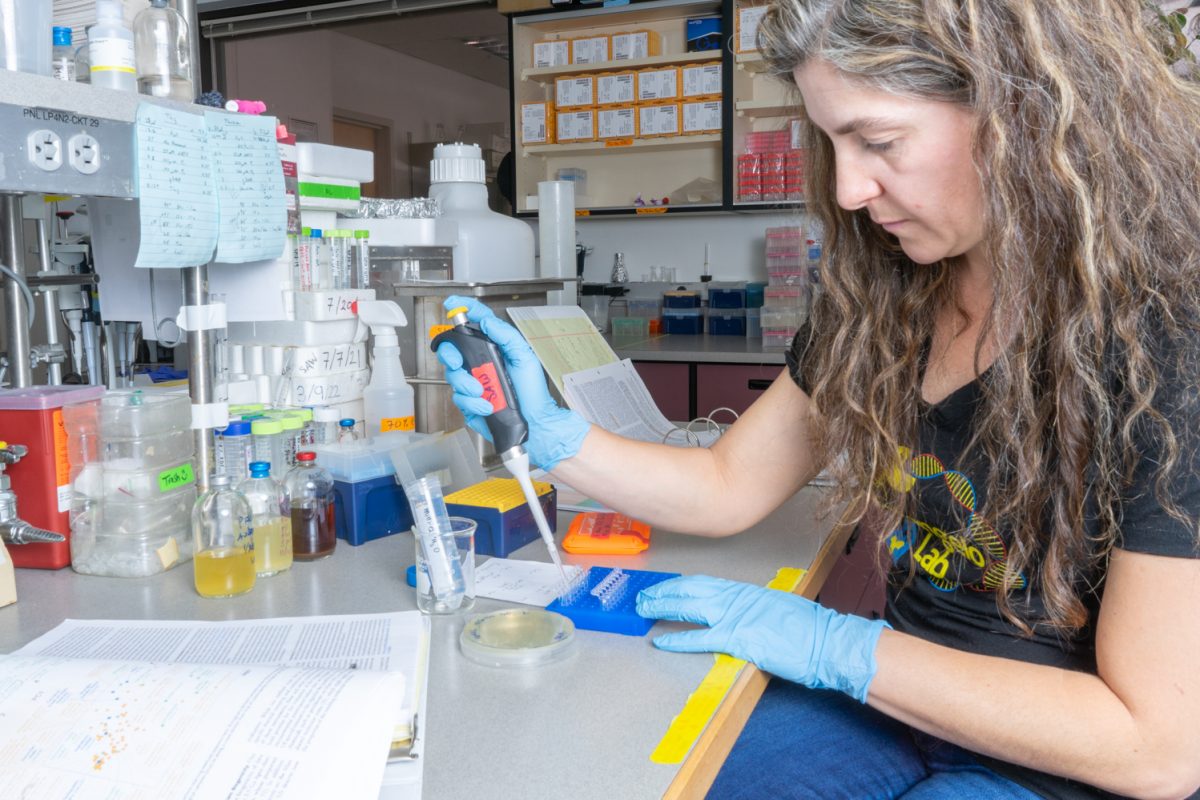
(223,556)
(272,527)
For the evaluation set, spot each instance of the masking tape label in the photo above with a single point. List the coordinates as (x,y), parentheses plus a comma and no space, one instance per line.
(388,424)
(309,361)
(168,554)
(701,704)
(170,479)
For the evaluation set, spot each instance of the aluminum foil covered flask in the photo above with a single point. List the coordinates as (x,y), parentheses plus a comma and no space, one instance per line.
(619,273)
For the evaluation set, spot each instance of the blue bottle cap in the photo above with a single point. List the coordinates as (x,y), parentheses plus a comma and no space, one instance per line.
(347,423)
(62,36)
(260,469)
(236,428)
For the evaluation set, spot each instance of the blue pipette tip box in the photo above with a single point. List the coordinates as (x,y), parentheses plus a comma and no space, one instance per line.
(587,610)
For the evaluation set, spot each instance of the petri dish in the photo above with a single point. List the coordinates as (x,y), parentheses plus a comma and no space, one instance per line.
(518,637)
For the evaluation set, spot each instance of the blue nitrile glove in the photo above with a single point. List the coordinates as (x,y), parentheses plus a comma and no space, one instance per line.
(555,433)
(780,632)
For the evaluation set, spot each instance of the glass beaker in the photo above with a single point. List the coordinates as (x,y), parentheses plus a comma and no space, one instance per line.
(463,530)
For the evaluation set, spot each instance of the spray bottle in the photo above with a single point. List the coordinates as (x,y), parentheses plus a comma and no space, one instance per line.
(388,401)
(482,358)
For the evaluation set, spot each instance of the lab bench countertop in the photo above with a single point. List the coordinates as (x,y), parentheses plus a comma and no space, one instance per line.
(581,728)
(702,349)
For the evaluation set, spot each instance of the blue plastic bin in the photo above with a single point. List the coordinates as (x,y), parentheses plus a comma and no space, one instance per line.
(504,521)
(682,322)
(726,298)
(367,510)
(720,324)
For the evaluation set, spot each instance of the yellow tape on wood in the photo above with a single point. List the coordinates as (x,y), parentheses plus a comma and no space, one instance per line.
(701,704)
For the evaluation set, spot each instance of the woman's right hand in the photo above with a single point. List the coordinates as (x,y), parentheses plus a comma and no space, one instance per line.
(555,433)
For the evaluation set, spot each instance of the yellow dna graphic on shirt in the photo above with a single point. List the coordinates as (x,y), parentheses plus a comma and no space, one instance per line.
(977,551)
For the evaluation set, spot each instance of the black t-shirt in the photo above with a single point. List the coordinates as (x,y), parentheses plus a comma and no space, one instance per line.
(947,558)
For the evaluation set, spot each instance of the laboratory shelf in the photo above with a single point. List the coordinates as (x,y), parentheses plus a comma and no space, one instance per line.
(751,62)
(764,108)
(548,74)
(625,145)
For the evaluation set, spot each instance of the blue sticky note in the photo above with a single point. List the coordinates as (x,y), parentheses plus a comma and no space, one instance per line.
(248,176)
(177,199)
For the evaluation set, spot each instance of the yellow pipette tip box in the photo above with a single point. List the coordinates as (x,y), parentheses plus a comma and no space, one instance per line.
(505,522)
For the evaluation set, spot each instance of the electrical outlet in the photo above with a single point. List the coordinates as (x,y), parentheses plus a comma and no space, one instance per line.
(45,150)
(83,153)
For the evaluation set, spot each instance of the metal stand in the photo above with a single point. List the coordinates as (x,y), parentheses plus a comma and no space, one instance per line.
(200,363)
(16,317)
(54,353)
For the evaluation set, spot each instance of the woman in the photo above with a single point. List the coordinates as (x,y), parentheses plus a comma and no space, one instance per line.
(1004,352)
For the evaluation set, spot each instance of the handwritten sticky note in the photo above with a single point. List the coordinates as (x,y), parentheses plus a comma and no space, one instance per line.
(249,183)
(178,202)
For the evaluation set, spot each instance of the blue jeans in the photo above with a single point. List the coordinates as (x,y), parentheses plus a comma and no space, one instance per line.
(806,743)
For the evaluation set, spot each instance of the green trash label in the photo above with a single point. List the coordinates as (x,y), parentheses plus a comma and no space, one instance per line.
(174,478)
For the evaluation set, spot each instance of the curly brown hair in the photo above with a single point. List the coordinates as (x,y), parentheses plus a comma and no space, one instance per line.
(1086,147)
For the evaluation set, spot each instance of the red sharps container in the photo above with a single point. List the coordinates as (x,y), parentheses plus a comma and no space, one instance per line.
(42,480)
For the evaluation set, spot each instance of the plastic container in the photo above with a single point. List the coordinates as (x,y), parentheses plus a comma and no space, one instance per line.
(235,450)
(132,539)
(435,539)
(451,455)
(163,53)
(272,527)
(330,161)
(292,437)
(370,509)
(325,425)
(519,638)
(727,322)
(83,64)
(223,541)
(361,278)
(680,300)
(753,323)
(133,483)
(647,308)
(731,296)
(363,461)
(34,417)
(269,444)
(308,490)
(111,49)
(681,321)
(606,600)
(777,338)
(25,38)
(389,403)
(62,56)
(490,246)
(505,521)
(630,329)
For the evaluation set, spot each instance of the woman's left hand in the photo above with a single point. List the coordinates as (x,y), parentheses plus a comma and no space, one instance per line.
(780,632)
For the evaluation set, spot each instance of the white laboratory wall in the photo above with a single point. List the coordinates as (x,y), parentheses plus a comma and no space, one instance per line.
(736,243)
(310,75)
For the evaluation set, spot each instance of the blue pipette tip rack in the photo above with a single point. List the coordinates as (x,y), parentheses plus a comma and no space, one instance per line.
(605,600)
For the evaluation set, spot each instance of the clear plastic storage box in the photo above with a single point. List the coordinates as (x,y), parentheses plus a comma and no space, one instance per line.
(133,483)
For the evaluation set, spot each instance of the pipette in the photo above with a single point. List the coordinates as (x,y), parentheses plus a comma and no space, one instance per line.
(482,358)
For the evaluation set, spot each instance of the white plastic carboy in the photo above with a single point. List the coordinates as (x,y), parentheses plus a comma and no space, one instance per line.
(389,404)
(490,247)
